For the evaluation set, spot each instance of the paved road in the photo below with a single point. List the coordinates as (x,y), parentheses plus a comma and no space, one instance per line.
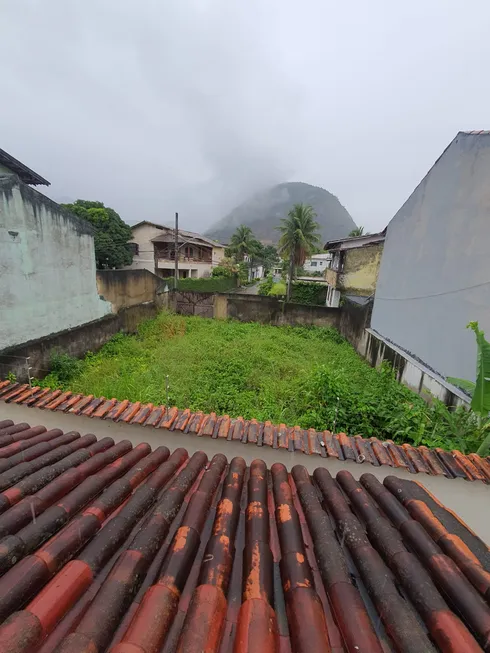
(248,290)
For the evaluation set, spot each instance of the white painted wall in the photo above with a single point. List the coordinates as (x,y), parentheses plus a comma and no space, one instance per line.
(47,267)
(317,263)
(142,235)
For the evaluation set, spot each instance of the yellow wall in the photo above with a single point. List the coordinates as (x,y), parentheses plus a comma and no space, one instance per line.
(360,270)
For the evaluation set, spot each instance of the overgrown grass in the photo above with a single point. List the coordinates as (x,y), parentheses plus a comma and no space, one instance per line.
(306,376)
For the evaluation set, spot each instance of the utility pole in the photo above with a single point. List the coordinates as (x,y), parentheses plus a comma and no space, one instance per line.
(176,273)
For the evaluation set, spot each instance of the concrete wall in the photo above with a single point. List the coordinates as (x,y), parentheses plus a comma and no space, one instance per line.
(409,371)
(252,308)
(435,270)
(76,342)
(354,320)
(47,266)
(123,288)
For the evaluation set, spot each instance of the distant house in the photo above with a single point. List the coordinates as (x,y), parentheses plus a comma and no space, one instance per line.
(353,267)
(317,263)
(435,271)
(153,247)
(47,261)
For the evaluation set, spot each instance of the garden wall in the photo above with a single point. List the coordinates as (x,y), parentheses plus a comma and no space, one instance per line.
(75,342)
(252,308)
(124,288)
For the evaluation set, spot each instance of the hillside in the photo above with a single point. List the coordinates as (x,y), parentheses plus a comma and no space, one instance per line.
(263,212)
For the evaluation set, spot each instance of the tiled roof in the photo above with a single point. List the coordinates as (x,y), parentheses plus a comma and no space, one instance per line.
(108,547)
(435,462)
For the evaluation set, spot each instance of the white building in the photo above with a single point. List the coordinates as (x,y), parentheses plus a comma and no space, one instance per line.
(154,249)
(317,262)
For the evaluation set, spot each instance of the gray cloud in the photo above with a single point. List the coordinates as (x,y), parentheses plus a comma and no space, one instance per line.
(192,105)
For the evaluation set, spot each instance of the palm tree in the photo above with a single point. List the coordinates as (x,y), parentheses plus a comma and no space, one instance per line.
(358,231)
(299,237)
(242,243)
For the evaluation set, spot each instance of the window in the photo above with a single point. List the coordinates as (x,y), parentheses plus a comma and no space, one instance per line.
(313,264)
(189,252)
(134,248)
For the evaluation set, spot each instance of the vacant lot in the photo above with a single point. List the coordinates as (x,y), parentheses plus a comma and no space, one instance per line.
(305,376)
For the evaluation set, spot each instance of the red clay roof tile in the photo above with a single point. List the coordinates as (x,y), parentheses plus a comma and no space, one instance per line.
(326,444)
(103,546)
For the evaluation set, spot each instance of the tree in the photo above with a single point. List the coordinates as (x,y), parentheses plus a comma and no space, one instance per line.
(267,256)
(111,233)
(358,231)
(242,243)
(299,236)
(226,269)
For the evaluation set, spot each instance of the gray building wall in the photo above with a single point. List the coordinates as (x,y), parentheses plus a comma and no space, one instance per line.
(47,267)
(435,270)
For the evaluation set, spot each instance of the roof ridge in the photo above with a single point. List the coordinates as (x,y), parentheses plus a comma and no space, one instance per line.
(421,459)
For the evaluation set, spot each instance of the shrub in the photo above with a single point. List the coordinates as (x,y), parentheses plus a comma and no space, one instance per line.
(226,268)
(309,292)
(266,285)
(212,284)
(278,289)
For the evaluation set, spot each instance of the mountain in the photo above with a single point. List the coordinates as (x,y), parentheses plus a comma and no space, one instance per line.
(263,212)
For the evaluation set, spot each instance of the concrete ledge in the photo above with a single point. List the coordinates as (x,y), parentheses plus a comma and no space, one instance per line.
(76,342)
(412,372)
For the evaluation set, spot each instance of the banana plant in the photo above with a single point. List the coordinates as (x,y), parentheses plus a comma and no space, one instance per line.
(479,391)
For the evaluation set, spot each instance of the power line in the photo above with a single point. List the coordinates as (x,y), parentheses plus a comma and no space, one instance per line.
(437,294)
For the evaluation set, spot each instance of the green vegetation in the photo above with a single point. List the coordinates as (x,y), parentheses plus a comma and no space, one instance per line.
(211,284)
(479,391)
(111,233)
(358,231)
(309,292)
(299,238)
(306,376)
(303,292)
(243,243)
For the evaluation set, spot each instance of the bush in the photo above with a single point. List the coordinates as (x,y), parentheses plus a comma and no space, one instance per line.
(226,269)
(278,289)
(266,285)
(309,292)
(212,284)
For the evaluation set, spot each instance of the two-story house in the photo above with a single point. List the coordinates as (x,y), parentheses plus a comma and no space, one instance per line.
(353,267)
(154,249)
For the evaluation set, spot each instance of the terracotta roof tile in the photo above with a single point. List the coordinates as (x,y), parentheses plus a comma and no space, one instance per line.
(108,547)
(356,449)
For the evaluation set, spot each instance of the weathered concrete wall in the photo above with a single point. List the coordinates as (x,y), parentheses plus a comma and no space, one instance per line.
(252,308)
(435,270)
(47,267)
(125,288)
(354,320)
(76,342)
(411,372)
(360,270)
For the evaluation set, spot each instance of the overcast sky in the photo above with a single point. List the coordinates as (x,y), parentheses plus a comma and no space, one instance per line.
(192,105)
